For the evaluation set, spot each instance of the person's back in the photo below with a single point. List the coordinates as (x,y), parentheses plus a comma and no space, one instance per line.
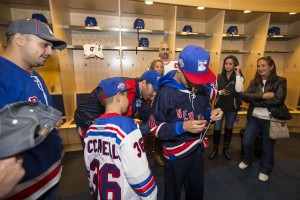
(114,150)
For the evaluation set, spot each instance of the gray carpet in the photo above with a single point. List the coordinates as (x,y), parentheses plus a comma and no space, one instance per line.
(223,179)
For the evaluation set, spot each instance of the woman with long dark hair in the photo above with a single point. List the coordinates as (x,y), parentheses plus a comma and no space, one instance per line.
(230,85)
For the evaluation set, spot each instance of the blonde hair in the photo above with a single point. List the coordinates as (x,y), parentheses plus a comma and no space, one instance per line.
(153,63)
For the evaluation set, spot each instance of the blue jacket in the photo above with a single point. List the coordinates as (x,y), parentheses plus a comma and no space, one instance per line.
(173,105)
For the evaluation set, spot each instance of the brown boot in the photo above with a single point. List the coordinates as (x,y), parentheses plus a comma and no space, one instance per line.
(157,151)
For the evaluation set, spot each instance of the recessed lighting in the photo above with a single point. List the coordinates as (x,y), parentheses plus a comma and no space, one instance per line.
(292,13)
(149,2)
(247,11)
(200,8)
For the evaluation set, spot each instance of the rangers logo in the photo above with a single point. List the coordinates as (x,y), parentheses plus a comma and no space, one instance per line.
(180,63)
(121,86)
(202,65)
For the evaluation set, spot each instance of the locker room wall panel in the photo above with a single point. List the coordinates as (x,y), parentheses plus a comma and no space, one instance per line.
(61,16)
(106,19)
(89,72)
(255,45)
(170,16)
(214,26)
(258,5)
(135,64)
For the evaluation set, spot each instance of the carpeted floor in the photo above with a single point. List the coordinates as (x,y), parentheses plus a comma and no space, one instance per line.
(223,179)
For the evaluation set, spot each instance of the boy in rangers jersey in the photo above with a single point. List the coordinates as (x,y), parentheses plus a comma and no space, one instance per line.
(114,150)
(180,118)
(30,43)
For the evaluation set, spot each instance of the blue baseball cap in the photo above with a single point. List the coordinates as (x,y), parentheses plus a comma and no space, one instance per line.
(194,63)
(112,86)
(152,76)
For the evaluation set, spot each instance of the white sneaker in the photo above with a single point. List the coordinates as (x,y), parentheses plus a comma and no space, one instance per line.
(263,177)
(242,165)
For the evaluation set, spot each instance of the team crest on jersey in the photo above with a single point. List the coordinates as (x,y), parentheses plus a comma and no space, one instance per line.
(180,63)
(138,103)
(202,65)
(121,86)
(33,99)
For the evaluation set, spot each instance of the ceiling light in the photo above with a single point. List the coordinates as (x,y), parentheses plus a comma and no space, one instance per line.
(149,2)
(247,11)
(292,13)
(200,8)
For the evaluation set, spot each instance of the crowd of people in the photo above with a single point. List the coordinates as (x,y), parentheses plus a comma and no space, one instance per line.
(172,101)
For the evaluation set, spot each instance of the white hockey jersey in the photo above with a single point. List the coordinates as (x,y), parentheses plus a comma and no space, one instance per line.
(116,161)
(170,65)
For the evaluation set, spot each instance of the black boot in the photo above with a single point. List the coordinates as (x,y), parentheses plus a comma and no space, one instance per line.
(227,139)
(216,141)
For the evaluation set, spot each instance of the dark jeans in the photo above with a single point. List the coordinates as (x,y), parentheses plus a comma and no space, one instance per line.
(229,121)
(51,194)
(187,172)
(253,127)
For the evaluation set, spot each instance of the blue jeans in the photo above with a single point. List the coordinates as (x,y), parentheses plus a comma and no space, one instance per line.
(253,127)
(230,117)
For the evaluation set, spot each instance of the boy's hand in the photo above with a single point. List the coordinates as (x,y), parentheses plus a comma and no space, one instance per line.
(216,114)
(194,126)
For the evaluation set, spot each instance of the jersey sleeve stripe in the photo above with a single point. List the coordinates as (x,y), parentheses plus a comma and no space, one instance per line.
(146,187)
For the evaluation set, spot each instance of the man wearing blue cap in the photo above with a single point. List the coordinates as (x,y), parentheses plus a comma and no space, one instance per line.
(140,90)
(181,116)
(114,150)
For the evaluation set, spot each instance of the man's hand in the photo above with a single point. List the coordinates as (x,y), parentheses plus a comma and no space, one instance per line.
(11,172)
(59,122)
(216,114)
(194,126)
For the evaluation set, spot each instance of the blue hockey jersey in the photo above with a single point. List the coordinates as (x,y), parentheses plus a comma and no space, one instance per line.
(42,163)
(173,105)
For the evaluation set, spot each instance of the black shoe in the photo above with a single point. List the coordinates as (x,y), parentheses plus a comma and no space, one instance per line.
(213,154)
(226,154)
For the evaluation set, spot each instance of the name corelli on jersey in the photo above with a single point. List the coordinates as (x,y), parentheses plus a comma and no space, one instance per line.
(102,147)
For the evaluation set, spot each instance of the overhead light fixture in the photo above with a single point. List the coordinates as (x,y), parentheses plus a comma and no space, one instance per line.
(200,8)
(247,11)
(292,13)
(149,2)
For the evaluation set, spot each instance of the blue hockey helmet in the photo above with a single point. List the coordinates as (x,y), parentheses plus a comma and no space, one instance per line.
(139,24)
(90,21)
(274,31)
(39,17)
(232,30)
(144,42)
(187,28)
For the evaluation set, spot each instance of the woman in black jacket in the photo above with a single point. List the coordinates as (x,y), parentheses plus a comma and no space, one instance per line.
(265,94)
(230,85)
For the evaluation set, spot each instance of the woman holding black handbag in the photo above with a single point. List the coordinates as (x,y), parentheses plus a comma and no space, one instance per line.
(266,95)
